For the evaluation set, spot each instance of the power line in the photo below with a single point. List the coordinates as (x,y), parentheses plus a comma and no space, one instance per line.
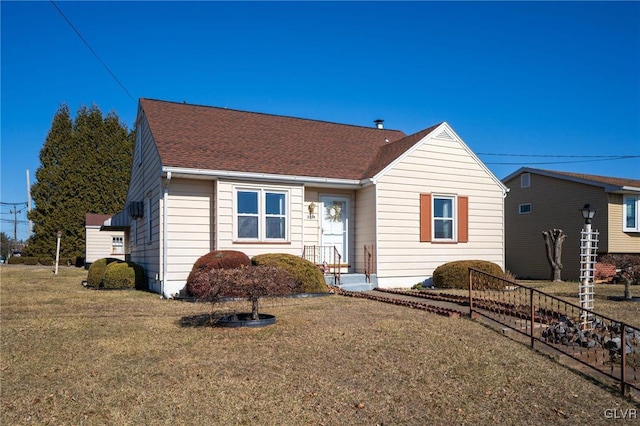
(560,156)
(92,51)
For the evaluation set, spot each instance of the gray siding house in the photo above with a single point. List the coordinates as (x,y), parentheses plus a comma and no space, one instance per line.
(540,200)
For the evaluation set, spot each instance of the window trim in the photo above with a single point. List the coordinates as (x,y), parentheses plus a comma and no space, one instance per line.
(525,180)
(626,228)
(117,241)
(520,206)
(453,219)
(262,214)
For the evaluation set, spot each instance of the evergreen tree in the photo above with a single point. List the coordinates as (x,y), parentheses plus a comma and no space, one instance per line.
(85,168)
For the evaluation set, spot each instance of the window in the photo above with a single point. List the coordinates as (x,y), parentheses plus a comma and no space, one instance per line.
(444,218)
(149,220)
(525,180)
(524,208)
(261,215)
(117,245)
(630,215)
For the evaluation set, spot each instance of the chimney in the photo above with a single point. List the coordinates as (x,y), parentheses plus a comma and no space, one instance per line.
(379,123)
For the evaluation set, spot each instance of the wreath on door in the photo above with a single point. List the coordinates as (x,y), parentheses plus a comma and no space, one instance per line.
(334,213)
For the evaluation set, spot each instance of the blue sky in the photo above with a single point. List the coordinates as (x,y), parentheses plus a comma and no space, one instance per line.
(528,78)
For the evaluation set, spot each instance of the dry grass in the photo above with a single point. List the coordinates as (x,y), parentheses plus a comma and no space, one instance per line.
(75,356)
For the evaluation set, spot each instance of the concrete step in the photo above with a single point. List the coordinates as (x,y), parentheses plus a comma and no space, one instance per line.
(354,282)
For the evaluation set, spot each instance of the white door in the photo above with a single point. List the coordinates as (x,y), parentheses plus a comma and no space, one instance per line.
(335,227)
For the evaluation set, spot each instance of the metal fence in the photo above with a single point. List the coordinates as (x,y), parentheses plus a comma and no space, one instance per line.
(608,346)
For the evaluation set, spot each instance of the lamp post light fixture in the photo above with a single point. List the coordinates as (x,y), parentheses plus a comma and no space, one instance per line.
(59,235)
(587,213)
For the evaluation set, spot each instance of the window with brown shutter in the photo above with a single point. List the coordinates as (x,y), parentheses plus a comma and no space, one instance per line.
(436,211)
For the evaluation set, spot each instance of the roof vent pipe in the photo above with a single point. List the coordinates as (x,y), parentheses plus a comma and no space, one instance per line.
(379,123)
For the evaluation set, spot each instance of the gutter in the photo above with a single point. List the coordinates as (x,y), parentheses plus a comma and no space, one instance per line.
(270,177)
(165,233)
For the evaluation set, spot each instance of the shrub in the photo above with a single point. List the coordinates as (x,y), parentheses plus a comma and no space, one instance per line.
(15,260)
(30,260)
(48,262)
(251,282)
(312,280)
(218,259)
(456,274)
(122,275)
(96,271)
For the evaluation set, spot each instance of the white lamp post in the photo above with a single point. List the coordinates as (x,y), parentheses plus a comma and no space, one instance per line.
(587,263)
(59,234)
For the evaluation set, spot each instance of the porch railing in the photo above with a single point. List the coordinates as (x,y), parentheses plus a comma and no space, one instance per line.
(327,258)
(608,346)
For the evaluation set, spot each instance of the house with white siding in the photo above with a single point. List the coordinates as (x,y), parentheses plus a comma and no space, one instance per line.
(99,244)
(354,199)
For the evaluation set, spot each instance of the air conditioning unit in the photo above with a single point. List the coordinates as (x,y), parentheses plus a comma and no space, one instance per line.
(135,209)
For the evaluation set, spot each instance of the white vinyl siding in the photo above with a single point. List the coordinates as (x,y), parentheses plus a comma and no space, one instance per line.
(99,244)
(437,166)
(146,180)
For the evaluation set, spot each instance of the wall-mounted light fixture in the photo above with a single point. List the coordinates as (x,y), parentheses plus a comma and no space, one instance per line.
(312,210)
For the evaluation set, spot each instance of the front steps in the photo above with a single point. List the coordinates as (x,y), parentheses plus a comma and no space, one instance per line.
(353,282)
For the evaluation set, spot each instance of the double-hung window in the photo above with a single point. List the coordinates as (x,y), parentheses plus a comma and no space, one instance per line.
(630,214)
(443,224)
(261,215)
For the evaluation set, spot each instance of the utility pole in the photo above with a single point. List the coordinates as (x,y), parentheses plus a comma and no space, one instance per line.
(29,204)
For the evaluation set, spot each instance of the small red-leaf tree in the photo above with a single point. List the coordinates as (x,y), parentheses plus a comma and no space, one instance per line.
(251,282)
(627,269)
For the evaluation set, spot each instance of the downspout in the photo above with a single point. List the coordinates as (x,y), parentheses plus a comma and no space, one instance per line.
(165,234)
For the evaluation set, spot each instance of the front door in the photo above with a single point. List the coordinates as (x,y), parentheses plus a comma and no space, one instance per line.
(335,227)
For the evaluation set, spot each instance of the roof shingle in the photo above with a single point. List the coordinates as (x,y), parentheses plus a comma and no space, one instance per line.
(211,138)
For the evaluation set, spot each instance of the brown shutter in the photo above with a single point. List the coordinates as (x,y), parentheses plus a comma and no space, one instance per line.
(425,217)
(463,219)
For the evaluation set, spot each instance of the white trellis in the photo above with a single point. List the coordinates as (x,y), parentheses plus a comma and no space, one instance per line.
(588,254)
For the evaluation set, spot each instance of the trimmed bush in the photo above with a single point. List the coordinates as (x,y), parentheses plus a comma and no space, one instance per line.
(456,274)
(198,281)
(312,280)
(19,260)
(122,275)
(30,260)
(96,271)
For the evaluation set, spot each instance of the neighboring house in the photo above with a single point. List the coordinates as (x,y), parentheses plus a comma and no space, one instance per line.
(541,200)
(206,178)
(98,244)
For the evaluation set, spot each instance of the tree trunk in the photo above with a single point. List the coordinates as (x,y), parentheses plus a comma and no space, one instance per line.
(553,240)
(254,309)
(627,288)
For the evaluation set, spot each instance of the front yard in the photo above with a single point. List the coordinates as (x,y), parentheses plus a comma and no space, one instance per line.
(75,356)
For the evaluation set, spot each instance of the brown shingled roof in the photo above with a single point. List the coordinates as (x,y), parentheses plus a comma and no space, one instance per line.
(95,219)
(600,179)
(210,138)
